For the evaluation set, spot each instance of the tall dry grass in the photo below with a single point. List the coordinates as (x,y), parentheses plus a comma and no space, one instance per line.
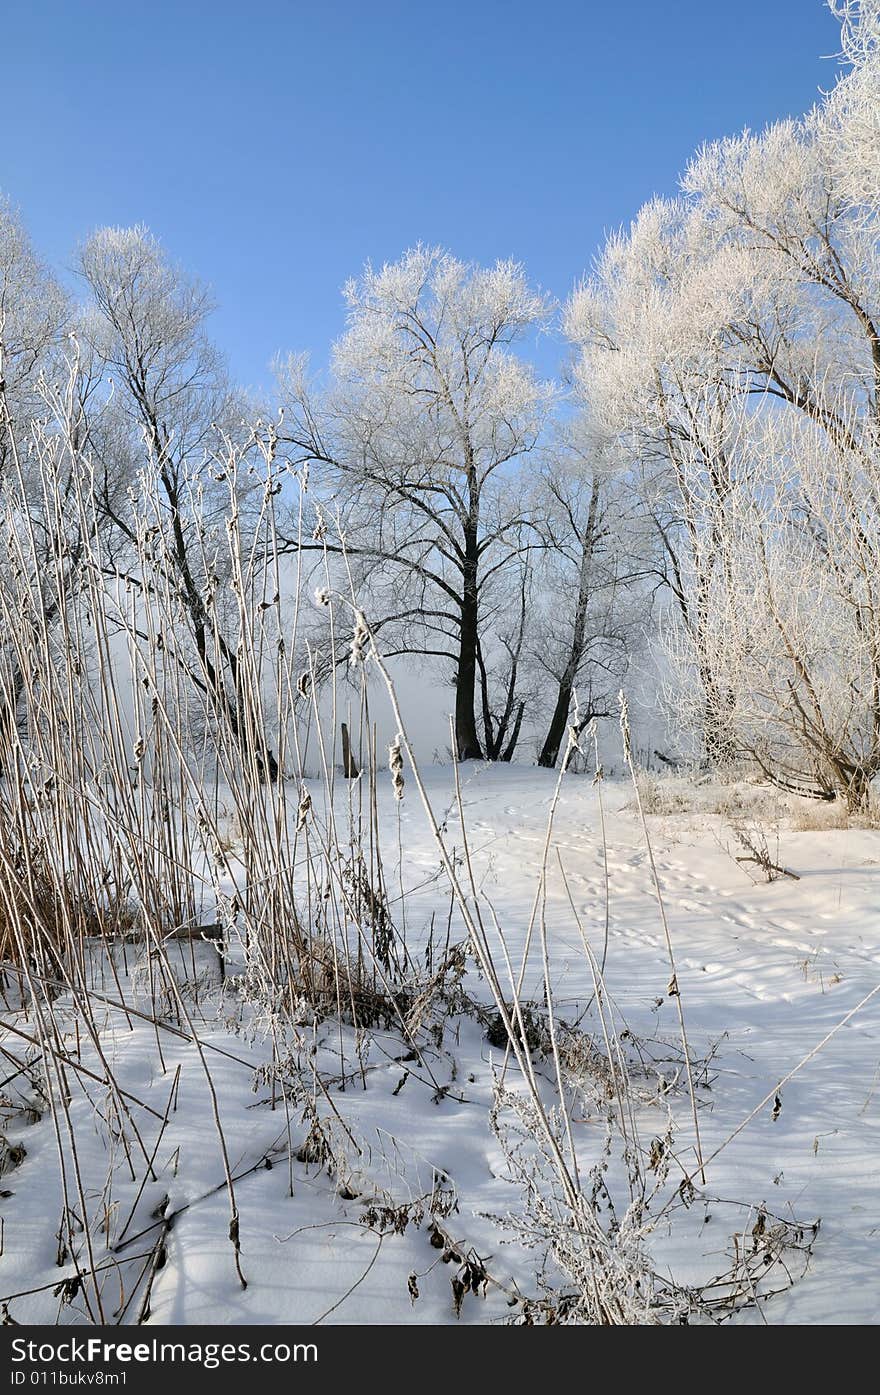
(137,817)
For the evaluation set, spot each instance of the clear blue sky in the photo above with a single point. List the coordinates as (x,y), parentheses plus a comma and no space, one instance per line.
(274,146)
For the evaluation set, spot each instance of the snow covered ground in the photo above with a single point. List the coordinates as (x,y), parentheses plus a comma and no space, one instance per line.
(765,972)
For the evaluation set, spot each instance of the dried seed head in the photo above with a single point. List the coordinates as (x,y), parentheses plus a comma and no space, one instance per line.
(624,725)
(304,684)
(359,640)
(395,765)
(305,805)
(322,596)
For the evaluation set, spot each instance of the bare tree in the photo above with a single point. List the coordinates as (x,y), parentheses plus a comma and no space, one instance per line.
(502,656)
(174,410)
(652,378)
(583,629)
(421,443)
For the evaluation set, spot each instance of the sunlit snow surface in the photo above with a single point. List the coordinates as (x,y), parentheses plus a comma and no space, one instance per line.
(765,972)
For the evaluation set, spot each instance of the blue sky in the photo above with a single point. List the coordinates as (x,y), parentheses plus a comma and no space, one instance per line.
(274,146)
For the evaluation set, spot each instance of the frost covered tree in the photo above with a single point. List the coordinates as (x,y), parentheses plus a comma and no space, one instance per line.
(802,312)
(653,379)
(33,315)
(585,610)
(760,286)
(178,420)
(852,109)
(794,633)
(420,443)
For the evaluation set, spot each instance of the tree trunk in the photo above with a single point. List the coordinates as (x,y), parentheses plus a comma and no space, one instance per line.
(857,791)
(466,738)
(507,753)
(558,722)
(349,766)
(718,743)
